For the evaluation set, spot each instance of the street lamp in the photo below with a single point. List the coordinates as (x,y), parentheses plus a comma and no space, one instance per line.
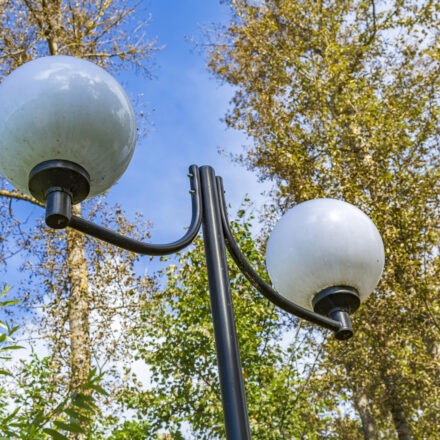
(67,132)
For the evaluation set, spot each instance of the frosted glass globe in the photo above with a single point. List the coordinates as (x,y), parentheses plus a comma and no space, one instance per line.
(62,107)
(324,243)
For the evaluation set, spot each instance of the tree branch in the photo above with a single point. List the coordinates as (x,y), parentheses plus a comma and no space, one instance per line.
(19,196)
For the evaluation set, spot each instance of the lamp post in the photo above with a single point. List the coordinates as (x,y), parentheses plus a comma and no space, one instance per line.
(67,132)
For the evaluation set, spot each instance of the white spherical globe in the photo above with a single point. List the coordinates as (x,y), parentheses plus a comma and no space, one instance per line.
(324,243)
(61,107)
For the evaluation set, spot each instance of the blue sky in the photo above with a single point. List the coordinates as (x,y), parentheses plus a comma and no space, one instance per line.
(184,105)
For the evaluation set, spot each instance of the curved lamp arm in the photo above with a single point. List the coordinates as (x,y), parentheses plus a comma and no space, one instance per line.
(139,247)
(249,272)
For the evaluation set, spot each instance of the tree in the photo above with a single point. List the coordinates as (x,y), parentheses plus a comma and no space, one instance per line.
(340,99)
(184,397)
(30,407)
(100,32)
(40,387)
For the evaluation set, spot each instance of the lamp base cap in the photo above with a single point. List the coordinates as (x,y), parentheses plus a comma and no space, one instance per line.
(338,303)
(336,298)
(69,176)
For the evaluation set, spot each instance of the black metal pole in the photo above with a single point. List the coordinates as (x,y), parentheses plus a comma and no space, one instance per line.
(231,377)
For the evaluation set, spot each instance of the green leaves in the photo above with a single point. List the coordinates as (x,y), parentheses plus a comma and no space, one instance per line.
(55,434)
(8,303)
(78,410)
(40,412)
(6,336)
(70,427)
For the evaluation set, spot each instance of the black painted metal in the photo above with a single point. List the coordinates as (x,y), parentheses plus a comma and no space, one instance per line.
(346,329)
(338,302)
(231,378)
(59,184)
(58,208)
(336,297)
(139,247)
(269,292)
(69,176)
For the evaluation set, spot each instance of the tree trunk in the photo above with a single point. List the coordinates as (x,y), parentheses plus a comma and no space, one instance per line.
(79,308)
(399,418)
(400,422)
(362,406)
